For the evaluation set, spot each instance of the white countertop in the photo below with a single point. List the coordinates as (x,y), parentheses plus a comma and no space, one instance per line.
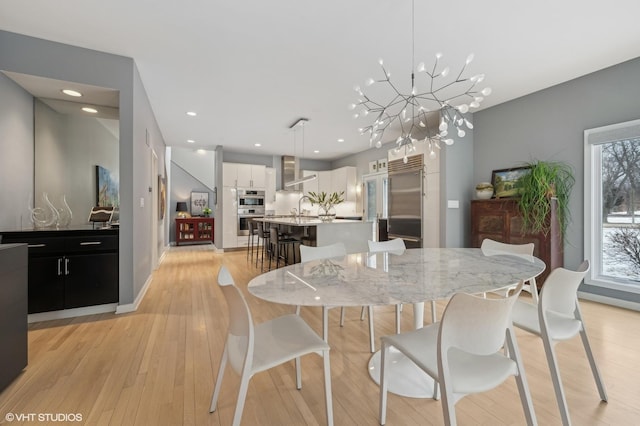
(304,221)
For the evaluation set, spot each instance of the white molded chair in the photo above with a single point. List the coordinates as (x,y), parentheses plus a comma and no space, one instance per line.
(463,352)
(309,253)
(557,317)
(252,349)
(397,246)
(490,247)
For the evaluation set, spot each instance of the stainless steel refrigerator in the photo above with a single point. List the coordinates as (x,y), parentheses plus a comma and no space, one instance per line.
(405,206)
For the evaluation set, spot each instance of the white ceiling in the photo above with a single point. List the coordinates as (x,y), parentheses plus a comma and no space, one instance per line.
(251,68)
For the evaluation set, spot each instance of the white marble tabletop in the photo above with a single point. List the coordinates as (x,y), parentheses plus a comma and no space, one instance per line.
(414,276)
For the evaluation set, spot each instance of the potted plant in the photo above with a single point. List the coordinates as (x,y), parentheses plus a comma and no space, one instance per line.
(545,183)
(206,211)
(326,212)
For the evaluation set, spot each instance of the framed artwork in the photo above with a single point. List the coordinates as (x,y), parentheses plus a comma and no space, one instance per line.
(506,182)
(107,189)
(162,196)
(199,200)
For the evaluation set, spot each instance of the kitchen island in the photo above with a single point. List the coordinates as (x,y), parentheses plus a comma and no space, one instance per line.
(354,234)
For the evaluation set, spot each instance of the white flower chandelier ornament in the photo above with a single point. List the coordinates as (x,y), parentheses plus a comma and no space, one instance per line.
(445,95)
(449,98)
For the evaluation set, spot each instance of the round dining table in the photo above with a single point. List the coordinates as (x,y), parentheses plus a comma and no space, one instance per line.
(390,278)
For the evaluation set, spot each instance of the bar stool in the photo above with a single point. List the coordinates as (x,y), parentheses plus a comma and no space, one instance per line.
(280,247)
(261,233)
(253,232)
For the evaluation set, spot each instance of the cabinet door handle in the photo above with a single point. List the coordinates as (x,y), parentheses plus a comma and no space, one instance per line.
(59,266)
(36,245)
(66,266)
(91,243)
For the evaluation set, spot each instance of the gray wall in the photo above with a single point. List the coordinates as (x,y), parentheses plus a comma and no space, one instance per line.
(16,161)
(139,133)
(549,125)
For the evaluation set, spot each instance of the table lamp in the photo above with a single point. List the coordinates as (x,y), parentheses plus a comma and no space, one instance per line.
(182,209)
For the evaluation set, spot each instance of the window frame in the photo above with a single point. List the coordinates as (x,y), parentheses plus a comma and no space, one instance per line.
(594,138)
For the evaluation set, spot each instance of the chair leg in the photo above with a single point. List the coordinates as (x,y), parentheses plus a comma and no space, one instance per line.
(555,378)
(325,324)
(533,288)
(327,387)
(398,312)
(342,316)
(298,310)
(372,339)
(434,312)
(592,362)
(383,382)
(362,311)
(298,374)
(521,378)
(242,396)
(216,390)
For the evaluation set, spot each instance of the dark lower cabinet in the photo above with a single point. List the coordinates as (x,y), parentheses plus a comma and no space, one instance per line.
(70,268)
(92,280)
(13,312)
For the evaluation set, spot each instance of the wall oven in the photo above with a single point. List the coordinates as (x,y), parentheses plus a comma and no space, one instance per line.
(245,215)
(249,199)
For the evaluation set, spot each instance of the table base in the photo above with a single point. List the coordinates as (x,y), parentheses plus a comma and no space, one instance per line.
(403,376)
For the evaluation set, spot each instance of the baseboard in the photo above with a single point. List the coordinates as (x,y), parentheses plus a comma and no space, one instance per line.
(70,313)
(609,301)
(132,307)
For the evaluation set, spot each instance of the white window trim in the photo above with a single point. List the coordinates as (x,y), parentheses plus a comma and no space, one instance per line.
(592,219)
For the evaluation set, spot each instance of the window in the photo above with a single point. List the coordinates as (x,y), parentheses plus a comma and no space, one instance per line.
(612,205)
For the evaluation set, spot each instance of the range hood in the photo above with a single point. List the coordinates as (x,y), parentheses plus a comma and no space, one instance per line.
(291,178)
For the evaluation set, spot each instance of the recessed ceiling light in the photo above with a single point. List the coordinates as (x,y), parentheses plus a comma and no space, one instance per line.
(257,144)
(90,110)
(191,141)
(340,140)
(73,93)
(191,114)
(316,151)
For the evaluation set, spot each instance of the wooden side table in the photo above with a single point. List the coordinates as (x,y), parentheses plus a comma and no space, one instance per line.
(194,230)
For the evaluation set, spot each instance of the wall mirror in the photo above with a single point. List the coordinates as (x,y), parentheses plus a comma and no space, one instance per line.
(72,136)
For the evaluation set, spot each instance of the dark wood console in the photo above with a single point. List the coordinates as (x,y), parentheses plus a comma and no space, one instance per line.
(69,268)
(500,220)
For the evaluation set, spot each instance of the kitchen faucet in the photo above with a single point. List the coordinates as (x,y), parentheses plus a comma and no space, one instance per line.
(300,204)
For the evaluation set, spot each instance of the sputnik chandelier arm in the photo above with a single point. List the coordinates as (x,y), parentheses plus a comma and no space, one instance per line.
(449,98)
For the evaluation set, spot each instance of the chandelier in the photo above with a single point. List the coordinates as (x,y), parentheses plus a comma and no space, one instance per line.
(440,94)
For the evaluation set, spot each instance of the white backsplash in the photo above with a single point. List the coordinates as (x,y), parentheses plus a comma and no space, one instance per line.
(286,201)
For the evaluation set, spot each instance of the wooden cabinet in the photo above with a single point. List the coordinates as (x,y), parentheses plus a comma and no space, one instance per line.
(70,268)
(244,175)
(500,220)
(193,230)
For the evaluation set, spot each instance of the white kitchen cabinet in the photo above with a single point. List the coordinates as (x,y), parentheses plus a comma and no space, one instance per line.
(324,181)
(243,175)
(344,179)
(229,217)
(270,186)
(312,185)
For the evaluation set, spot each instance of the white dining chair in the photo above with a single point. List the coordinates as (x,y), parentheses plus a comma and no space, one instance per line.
(462,353)
(251,349)
(397,246)
(555,318)
(490,247)
(309,253)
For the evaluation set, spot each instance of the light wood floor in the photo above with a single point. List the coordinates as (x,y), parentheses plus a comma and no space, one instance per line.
(157,365)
